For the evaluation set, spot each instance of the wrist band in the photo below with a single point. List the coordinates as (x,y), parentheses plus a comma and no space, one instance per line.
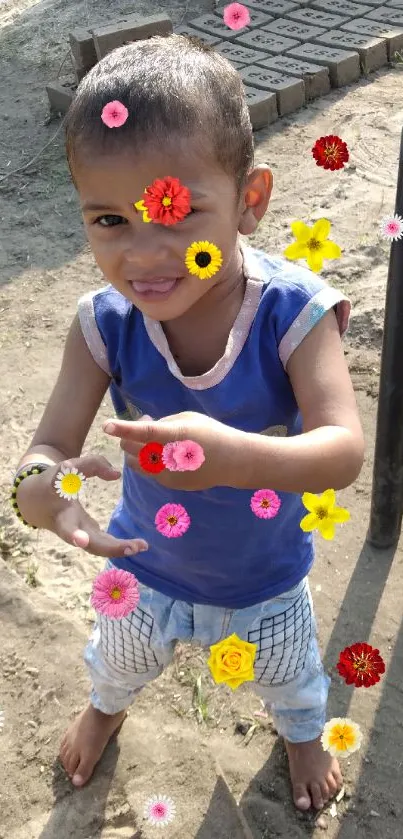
(25,472)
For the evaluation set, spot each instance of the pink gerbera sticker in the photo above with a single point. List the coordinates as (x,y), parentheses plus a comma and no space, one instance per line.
(236,16)
(159,810)
(172,520)
(114,114)
(392,227)
(115,593)
(183,456)
(265,504)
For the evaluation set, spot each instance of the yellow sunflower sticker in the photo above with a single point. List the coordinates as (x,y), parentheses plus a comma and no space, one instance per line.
(203,259)
(231,661)
(69,483)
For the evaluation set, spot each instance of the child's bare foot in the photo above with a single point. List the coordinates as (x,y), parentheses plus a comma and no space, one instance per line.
(85,740)
(315,775)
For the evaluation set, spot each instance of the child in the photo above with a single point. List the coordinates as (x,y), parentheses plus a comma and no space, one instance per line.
(221,361)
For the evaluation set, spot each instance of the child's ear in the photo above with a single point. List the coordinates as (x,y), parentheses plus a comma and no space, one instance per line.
(255,199)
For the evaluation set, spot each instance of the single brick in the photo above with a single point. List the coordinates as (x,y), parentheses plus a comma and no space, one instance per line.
(375,3)
(274,7)
(257,18)
(60,95)
(387,14)
(204,37)
(214,25)
(133,28)
(344,7)
(316,79)
(395,3)
(235,52)
(294,29)
(393,35)
(262,107)
(79,73)
(372,51)
(343,65)
(83,48)
(311,17)
(290,92)
(268,42)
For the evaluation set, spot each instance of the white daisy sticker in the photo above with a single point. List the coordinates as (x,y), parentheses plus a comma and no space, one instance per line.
(392,227)
(1,720)
(69,483)
(159,810)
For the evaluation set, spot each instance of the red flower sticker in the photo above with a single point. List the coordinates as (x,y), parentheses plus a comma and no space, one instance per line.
(167,201)
(361,665)
(150,458)
(330,152)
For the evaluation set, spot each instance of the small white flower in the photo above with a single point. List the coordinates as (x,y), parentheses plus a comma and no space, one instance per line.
(392,227)
(159,810)
(69,483)
(1,720)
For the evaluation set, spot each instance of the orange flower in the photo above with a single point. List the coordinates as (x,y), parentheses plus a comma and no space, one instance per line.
(167,201)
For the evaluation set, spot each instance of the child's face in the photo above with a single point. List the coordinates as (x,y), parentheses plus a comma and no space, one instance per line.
(130,251)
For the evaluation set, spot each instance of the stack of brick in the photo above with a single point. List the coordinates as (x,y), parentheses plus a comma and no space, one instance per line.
(292,51)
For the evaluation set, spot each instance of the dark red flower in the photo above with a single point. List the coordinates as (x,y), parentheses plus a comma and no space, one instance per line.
(330,152)
(167,201)
(150,458)
(361,665)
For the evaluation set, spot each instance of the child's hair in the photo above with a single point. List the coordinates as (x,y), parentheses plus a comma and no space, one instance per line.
(172,87)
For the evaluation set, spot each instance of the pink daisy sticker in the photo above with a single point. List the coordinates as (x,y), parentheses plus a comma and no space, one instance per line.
(183,456)
(172,520)
(392,227)
(115,593)
(159,810)
(236,16)
(265,504)
(114,114)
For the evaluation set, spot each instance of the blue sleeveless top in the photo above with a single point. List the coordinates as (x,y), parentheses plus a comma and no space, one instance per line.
(228,557)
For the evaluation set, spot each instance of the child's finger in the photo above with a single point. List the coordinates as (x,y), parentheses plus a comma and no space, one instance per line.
(92,466)
(77,528)
(143,432)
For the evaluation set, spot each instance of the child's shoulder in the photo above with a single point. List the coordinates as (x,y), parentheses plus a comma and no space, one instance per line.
(293,299)
(105,300)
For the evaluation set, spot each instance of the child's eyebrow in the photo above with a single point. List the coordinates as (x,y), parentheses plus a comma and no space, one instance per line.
(98,208)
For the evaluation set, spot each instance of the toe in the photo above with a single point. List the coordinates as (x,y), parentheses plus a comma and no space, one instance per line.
(325,791)
(302,799)
(317,798)
(332,784)
(83,772)
(338,777)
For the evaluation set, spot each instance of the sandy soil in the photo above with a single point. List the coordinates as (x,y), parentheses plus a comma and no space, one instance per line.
(177,741)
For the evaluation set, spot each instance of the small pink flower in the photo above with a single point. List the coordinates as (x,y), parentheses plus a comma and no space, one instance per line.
(159,810)
(392,227)
(114,114)
(183,456)
(115,593)
(265,503)
(168,457)
(236,16)
(172,520)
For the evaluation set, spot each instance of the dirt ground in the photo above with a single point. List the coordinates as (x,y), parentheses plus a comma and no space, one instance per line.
(182,738)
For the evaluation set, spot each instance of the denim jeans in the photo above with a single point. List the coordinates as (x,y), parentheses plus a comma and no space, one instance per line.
(123,655)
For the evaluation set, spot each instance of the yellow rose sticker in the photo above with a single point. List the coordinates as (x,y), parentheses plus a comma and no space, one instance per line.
(231,661)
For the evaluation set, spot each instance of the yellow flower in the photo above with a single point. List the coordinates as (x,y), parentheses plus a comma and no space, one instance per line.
(312,244)
(323,513)
(231,661)
(203,259)
(139,205)
(69,483)
(341,737)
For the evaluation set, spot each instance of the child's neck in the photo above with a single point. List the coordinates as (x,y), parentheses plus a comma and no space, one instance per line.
(198,338)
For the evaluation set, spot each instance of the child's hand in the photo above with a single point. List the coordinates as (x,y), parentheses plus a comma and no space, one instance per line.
(41,506)
(220,444)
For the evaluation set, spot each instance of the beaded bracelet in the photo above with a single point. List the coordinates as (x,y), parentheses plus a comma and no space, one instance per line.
(34,469)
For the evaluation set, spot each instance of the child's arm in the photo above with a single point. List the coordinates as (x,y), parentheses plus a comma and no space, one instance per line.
(330,451)
(60,437)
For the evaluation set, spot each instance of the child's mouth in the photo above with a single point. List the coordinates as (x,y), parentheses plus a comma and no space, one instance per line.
(157,289)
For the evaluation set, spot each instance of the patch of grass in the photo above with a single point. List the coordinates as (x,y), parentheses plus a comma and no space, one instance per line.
(30,575)
(199,701)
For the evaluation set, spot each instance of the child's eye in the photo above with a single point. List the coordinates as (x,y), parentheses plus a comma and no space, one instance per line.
(110,220)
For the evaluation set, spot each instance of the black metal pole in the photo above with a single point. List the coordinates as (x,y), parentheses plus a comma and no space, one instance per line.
(387,488)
